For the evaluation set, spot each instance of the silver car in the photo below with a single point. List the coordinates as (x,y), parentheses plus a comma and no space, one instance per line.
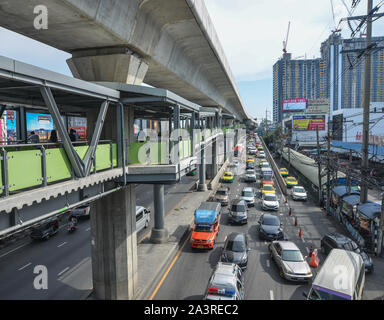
(270,202)
(291,263)
(299,193)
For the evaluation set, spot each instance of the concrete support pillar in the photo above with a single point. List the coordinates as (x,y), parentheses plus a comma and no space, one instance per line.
(202,179)
(114,245)
(212,165)
(159,233)
(109,64)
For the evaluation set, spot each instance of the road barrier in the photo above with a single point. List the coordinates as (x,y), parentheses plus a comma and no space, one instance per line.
(279,178)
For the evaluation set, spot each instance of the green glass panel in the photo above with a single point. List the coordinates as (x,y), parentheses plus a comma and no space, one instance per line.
(114,154)
(58,165)
(24,169)
(103,157)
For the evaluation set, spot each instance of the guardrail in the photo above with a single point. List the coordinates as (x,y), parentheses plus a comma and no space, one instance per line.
(275,168)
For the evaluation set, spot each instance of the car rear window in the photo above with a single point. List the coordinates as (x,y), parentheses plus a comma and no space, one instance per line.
(235,245)
(271,221)
(238,208)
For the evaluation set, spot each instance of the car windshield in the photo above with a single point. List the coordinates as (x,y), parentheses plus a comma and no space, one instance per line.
(250,172)
(298,189)
(271,221)
(292,255)
(268,188)
(221,192)
(270,198)
(203,228)
(266,165)
(228,175)
(238,208)
(247,194)
(291,179)
(235,245)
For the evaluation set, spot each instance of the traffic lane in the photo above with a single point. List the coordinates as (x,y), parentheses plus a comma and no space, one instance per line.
(60,252)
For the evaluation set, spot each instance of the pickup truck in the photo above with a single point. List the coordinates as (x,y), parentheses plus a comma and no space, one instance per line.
(207,224)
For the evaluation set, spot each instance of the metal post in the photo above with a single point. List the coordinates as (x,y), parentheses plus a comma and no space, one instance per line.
(44,166)
(159,233)
(319,164)
(349,180)
(22,125)
(4,172)
(328,166)
(366,105)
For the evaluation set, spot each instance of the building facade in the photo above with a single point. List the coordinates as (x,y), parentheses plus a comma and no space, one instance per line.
(296,79)
(344,71)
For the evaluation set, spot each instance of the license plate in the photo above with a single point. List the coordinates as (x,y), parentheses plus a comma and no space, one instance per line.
(200,247)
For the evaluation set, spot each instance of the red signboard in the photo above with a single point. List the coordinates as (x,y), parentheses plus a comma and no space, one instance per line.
(81,131)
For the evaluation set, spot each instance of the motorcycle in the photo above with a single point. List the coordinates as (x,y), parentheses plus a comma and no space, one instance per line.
(71,227)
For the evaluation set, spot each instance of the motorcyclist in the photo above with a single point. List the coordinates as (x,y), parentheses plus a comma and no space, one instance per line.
(72,222)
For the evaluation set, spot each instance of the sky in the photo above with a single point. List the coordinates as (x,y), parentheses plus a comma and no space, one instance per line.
(251,33)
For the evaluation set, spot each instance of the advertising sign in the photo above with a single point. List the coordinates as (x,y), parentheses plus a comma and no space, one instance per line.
(41,124)
(308,123)
(294,104)
(318,106)
(81,131)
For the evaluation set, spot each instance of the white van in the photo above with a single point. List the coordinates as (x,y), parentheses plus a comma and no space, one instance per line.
(143,217)
(342,277)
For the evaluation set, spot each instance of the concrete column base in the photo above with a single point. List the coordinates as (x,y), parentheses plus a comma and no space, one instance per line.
(202,187)
(159,236)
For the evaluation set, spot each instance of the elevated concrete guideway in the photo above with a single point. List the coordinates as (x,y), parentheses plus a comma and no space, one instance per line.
(168,44)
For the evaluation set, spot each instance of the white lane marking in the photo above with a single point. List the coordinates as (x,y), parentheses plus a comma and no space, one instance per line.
(88,229)
(271,295)
(4,254)
(268,264)
(60,245)
(28,264)
(66,269)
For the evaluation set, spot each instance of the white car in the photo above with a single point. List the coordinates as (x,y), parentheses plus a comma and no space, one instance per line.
(299,193)
(248,195)
(250,175)
(270,202)
(81,211)
(261,154)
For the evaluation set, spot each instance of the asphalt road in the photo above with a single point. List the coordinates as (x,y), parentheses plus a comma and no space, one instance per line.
(67,256)
(189,276)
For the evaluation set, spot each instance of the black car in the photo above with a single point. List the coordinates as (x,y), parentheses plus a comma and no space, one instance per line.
(270,228)
(235,250)
(45,230)
(238,212)
(339,241)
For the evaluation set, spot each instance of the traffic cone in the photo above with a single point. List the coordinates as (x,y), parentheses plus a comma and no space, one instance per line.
(290,212)
(314,263)
(296,223)
(300,233)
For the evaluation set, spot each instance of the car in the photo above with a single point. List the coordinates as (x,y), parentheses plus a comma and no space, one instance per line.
(250,175)
(250,165)
(261,154)
(45,230)
(235,164)
(290,261)
(262,162)
(252,151)
(267,182)
(222,196)
(260,148)
(268,188)
(284,172)
(228,177)
(339,241)
(270,228)
(248,195)
(235,250)
(238,212)
(299,193)
(291,182)
(270,202)
(225,283)
(143,218)
(81,211)
(250,159)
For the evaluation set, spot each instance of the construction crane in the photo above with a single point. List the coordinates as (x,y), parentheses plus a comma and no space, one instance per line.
(285,43)
(336,29)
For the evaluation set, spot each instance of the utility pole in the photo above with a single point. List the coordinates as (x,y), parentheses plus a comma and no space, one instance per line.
(366,104)
(319,164)
(328,166)
(349,180)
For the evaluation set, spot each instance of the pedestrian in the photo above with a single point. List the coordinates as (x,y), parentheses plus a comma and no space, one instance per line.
(73,135)
(53,137)
(33,138)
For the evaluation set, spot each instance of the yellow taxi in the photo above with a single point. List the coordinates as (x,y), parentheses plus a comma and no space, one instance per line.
(284,172)
(260,148)
(291,182)
(268,188)
(228,177)
(250,159)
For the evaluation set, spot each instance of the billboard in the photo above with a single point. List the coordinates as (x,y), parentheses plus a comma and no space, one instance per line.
(308,123)
(41,124)
(318,106)
(294,104)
